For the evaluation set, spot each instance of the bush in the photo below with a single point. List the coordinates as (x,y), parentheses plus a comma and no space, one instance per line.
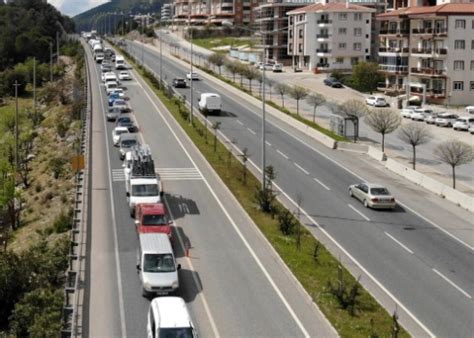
(287,222)
(63,222)
(7,80)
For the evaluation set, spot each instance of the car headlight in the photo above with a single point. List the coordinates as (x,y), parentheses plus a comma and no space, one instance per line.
(175,285)
(146,285)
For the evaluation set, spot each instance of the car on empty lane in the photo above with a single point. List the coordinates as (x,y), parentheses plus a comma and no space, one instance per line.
(332,82)
(373,195)
(179,83)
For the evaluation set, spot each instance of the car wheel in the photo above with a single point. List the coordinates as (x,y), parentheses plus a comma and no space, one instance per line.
(366,204)
(145,293)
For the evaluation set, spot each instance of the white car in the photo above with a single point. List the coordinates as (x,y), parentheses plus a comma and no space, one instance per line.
(471,129)
(109,76)
(124,76)
(431,118)
(420,114)
(463,123)
(266,66)
(116,134)
(376,101)
(121,104)
(277,68)
(406,113)
(373,195)
(469,109)
(169,317)
(110,87)
(446,120)
(193,76)
(119,91)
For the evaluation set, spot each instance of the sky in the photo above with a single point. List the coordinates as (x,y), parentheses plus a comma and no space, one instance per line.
(73,7)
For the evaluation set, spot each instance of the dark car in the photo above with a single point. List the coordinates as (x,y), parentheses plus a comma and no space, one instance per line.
(128,124)
(332,82)
(122,119)
(179,83)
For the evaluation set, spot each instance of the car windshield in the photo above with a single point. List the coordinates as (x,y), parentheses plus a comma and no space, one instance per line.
(176,332)
(144,190)
(121,131)
(119,102)
(379,192)
(155,220)
(123,119)
(158,263)
(127,143)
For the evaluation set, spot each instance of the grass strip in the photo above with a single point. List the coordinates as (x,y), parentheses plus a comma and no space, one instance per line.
(312,264)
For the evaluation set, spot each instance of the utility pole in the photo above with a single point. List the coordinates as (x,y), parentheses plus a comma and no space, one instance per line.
(57,47)
(161,56)
(143,40)
(191,62)
(50,61)
(34,89)
(16,126)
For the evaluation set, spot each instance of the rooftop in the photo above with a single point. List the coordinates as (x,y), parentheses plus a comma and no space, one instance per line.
(331,7)
(444,9)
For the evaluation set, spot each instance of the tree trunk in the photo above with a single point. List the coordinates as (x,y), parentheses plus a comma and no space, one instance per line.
(383,142)
(314,114)
(250,86)
(414,158)
(283,101)
(454,177)
(298,107)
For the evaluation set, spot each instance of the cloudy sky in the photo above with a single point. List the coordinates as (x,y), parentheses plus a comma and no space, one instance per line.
(73,7)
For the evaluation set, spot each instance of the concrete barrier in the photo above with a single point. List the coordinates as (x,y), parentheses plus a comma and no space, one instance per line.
(376,154)
(431,184)
(357,147)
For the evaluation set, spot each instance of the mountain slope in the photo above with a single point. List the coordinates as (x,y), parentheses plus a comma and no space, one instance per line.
(85,20)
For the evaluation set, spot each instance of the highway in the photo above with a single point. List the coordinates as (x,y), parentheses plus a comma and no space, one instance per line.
(232,280)
(422,267)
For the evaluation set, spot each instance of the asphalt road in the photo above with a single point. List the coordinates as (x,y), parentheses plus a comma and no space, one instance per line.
(429,272)
(392,142)
(232,281)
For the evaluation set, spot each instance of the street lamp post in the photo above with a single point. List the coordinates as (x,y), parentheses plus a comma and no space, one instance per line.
(191,74)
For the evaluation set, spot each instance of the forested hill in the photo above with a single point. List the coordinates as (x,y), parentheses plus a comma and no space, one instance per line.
(26,29)
(84,20)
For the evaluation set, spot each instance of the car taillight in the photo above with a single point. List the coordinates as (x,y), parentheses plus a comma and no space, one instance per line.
(375,199)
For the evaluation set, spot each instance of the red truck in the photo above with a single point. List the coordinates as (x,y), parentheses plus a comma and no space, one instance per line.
(152,218)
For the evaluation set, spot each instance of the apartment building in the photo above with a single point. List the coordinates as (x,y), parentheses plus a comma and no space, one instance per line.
(271,20)
(167,12)
(329,36)
(203,12)
(430,51)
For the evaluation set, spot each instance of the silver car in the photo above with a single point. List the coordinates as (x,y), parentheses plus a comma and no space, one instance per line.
(373,195)
(446,120)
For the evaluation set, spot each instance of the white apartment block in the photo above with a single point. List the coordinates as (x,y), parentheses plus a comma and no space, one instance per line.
(429,50)
(329,36)
(167,12)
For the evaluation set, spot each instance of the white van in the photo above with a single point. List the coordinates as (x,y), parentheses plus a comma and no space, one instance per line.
(169,317)
(119,62)
(210,103)
(110,86)
(156,265)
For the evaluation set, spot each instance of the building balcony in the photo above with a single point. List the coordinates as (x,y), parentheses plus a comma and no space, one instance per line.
(428,72)
(324,21)
(418,31)
(322,65)
(422,51)
(394,50)
(441,32)
(323,36)
(396,69)
(440,51)
(397,32)
(390,89)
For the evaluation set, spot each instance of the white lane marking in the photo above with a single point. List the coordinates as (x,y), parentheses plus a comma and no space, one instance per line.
(301,168)
(452,283)
(123,326)
(340,247)
(268,143)
(360,213)
(399,243)
(250,130)
(282,154)
(240,122)
(234,225)
(324,185)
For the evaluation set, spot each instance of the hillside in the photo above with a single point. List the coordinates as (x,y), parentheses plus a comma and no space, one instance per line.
(84,20)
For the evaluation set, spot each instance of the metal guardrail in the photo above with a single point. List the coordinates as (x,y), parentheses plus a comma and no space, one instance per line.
(70,314)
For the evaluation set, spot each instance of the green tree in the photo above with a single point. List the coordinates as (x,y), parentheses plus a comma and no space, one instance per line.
(298,93)
(315,100)
(282,89)
(365,76)
(232,67)
(251,74)
(218,60)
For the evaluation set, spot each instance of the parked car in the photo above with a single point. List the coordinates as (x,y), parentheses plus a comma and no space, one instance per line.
(469,109)
(471,129)
(463,123)
(258,64)
(124,76)
(169,317)
(431,118)
(113,114)
(152,218)
(179,83)
(420,114)
(376,101)
(266,66)
(446,120)
(332,82)
(406,113)
(117,132)
(373,195)
(193,76)
(277,68)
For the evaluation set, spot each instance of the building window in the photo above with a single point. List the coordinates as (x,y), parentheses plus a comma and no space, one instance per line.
(458,65)
(472,65)
(357,31)
(291,33)
(339,60)
(300,48)
(357,46)
(291,20)
(459,44)
(472,44)
(300,33)
(342,45)
(342,31)
(357,16)
(354,61)
(342,16)
(471,85)
(460,24)
(458,85)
